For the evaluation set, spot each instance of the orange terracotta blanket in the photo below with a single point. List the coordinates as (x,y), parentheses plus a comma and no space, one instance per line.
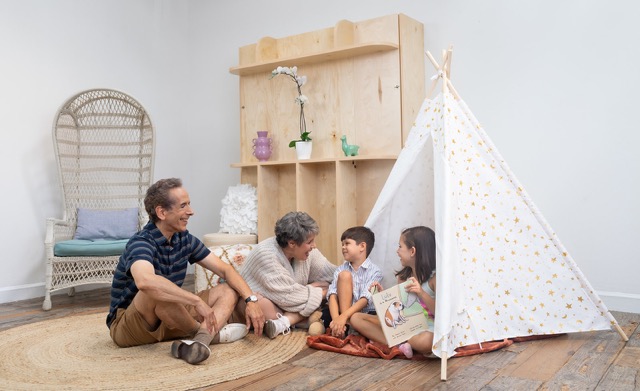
(357,345)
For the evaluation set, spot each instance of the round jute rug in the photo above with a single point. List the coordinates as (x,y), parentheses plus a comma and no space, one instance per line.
(76,353)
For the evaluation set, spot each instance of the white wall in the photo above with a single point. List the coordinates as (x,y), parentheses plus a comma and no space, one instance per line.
(52,50)
(552,82)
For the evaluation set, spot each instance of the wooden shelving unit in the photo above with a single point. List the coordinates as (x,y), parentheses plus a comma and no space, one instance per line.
(366,81)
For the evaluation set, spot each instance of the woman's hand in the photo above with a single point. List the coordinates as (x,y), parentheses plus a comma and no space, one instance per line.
(325,287)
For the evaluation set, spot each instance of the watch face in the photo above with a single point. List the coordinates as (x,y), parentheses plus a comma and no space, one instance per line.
(252,298)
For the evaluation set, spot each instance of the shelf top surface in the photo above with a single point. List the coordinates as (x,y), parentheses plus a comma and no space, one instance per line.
(335,54)
(315,161)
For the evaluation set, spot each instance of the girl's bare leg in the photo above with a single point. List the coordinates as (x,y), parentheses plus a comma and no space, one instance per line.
(369,326)
(422,343)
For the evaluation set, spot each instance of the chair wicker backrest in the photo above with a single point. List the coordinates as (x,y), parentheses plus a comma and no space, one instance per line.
(104,145)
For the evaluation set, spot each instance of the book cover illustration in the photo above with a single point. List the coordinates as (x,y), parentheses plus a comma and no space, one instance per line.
(400,313)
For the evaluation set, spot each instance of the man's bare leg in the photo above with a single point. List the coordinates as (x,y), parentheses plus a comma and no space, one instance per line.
(223,300)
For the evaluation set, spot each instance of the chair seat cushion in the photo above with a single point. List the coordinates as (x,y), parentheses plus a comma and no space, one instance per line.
(89,248)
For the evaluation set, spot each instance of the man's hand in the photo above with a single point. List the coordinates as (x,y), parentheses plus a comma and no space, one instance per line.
(208,317)
(254,317)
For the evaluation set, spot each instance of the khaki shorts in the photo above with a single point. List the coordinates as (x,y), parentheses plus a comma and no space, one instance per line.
(130,329)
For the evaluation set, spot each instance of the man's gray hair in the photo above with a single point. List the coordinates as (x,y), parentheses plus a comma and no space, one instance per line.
(296,226)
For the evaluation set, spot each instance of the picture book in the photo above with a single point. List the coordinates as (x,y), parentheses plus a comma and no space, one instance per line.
(400,314)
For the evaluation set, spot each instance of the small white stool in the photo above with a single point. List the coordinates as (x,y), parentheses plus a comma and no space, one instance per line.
(223,239)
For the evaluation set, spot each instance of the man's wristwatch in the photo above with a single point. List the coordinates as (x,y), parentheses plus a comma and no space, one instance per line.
(251,299)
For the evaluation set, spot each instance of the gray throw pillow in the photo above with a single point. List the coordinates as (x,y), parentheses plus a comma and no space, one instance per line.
(106,224)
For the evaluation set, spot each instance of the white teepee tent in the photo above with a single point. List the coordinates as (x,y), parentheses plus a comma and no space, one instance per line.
(501,271)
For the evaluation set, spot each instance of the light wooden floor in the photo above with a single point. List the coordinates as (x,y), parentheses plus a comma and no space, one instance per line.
(584,361)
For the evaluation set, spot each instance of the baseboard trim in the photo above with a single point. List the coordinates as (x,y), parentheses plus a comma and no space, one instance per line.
(619,301)
(21,292)
(10,294)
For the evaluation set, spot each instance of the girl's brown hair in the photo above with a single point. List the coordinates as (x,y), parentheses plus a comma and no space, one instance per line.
(424,241)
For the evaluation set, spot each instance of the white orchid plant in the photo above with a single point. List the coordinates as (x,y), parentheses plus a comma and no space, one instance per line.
(301,99)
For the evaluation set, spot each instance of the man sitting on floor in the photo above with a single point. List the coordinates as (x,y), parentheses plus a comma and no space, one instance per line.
(148,304)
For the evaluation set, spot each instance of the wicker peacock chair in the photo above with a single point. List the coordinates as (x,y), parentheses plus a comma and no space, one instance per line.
(104,145)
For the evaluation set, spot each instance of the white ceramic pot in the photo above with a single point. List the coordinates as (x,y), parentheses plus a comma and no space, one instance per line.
(303,149)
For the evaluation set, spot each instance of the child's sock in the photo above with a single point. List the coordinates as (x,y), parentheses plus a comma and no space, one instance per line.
(406,349)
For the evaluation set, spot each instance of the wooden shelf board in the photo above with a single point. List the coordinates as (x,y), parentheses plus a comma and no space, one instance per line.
(335,54)
(312,161)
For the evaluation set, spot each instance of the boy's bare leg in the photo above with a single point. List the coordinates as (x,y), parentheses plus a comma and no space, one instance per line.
(345,290)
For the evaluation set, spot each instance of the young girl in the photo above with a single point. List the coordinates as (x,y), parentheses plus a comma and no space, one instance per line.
(417,252)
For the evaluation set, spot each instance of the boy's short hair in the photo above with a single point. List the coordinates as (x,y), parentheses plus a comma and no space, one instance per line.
(360,234)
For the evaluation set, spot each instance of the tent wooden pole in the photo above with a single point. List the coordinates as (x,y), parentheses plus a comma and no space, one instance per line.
(449,55)
(434,81)
(433,60)
(621,332)
(445,63)
(443,69)
(453,90)
(443,367)
(446,70)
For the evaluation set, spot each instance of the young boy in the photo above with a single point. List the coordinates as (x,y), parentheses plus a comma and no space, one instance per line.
(349,290)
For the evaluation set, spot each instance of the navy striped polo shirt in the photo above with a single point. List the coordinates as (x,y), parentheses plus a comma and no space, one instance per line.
(169,259)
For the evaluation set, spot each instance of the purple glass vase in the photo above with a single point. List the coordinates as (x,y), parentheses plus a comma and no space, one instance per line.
(262,146)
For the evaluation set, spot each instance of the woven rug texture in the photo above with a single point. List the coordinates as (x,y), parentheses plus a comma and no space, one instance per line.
(76,353)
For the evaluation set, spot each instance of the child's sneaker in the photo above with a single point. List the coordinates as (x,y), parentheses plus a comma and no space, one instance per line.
(406,349)
(280,325)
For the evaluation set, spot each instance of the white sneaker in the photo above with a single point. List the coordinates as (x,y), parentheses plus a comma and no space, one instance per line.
(280,325)
(233,332)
